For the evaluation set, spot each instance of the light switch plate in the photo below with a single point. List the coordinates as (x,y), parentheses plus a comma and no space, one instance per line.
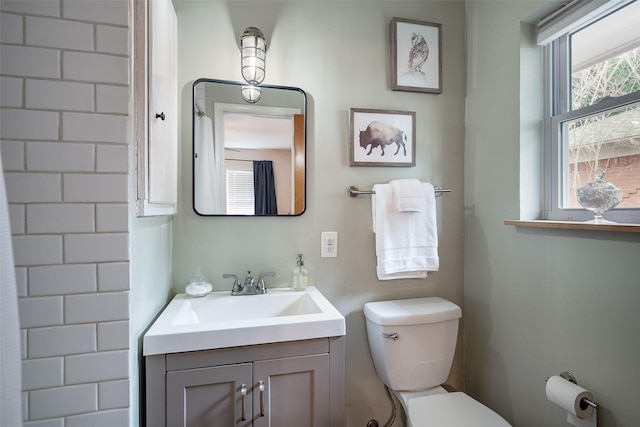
(329,244)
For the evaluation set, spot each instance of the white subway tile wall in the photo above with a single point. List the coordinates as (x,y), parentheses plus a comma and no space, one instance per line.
(37,250)
(112,158)
(61,340)
(60,156)
(63,401)
(112,217)
(117,417)
(10,90)
(60,33)
(62,279)
(113,276)
(51,422)
(17,224)
(101,307)
(57,94)
(43,311)
(113,336)
(65,133)
(11,28)
(113,394)
(49,218)
(32,187)
(31,61)
(21,281)
(42,373)
(112,99)
(111,39)
(27,124)
(81,369)
(12,154)
(39,8)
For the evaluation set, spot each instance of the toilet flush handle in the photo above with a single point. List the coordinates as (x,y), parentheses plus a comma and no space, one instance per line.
(394,336)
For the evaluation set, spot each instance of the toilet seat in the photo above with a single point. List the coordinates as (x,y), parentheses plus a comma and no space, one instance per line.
(451,410)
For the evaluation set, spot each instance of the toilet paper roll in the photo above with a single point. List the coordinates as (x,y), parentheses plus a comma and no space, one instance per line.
(569,396)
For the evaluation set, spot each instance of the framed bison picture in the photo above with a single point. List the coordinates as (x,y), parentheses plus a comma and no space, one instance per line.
(416,56)
(382,138)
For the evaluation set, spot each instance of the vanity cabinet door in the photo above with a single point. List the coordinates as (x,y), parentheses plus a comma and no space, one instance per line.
(296,392)
(210,397)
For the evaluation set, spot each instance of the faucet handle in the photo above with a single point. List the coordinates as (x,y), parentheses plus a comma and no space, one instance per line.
(237,287)
(262,288)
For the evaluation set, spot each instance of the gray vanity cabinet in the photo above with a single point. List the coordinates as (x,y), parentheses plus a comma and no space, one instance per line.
(298,383)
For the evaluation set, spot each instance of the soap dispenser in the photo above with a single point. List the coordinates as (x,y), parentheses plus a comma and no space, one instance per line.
(300,277)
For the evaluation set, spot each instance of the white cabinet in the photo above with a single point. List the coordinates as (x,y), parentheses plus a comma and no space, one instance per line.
(272,385)
(156,111)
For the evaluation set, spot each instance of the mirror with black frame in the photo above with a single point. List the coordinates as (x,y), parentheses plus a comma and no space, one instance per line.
(248,158)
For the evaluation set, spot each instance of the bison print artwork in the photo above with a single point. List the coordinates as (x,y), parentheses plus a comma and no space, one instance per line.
(416,53)
(382,138)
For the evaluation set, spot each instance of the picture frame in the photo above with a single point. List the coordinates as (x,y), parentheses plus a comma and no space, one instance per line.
(416,56)
(382,137)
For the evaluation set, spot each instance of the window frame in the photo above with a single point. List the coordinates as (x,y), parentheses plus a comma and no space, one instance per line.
(557,110)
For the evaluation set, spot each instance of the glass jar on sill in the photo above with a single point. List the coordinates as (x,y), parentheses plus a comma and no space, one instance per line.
(599,196)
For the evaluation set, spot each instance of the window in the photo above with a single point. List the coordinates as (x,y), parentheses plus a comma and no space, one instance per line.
(593,103)
(240,199)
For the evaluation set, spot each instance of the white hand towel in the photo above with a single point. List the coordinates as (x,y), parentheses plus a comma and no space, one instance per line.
(407,194)
(406,242)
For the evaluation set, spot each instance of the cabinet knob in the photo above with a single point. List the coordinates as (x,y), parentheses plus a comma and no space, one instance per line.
(160,116)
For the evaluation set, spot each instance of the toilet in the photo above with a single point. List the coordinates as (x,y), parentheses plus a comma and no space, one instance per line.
(412,344)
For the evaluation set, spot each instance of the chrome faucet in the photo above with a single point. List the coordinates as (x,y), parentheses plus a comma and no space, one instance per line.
(249,287)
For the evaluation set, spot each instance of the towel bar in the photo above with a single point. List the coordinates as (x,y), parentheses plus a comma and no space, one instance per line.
(355,192)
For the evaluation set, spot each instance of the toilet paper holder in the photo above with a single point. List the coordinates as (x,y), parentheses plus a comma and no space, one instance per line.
(569,377)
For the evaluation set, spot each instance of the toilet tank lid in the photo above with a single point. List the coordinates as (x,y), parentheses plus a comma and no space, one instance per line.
(411,311)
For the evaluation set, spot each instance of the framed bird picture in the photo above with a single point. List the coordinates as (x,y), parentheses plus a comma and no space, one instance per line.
(416,56)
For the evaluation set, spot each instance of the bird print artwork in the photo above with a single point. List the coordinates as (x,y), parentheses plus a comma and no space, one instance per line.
(418,54)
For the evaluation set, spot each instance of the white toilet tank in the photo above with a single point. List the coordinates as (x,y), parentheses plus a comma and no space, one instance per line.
(412,341)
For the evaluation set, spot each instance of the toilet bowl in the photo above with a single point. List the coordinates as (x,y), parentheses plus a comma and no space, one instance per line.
(412,344)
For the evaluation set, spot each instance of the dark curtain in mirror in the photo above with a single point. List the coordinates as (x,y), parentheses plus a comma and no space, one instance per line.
(264,187)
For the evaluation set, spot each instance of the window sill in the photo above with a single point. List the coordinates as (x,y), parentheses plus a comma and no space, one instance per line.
(576,225)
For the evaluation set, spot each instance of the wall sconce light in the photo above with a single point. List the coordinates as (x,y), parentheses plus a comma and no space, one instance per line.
(253,52)
(253,49)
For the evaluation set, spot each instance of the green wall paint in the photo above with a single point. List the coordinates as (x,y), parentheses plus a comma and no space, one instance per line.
(339,53)
(537,302)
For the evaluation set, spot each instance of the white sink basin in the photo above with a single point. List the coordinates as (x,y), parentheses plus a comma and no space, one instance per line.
(220,320)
